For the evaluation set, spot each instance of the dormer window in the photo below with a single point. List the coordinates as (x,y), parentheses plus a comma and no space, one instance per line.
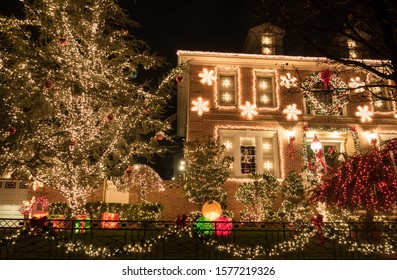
(267,41)
(352,48)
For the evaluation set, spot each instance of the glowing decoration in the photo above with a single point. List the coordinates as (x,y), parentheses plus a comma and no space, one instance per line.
(288,81)
(113,217)
(248,110)
(378,103)
(26,208)
(226,97)
(266,146)
(291,140)
(316,144)
(356,84)
(82,223)
(200,105)
(228,145)
(223,226)
(268,165)
(331,85)
(57,222)
(263,85)
(203,226)
(265,99)
(211,210)
(207,77)
(364,113)
(372,138)
(292,112)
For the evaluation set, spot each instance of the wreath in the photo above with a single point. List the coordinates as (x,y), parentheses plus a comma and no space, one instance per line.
(326,83)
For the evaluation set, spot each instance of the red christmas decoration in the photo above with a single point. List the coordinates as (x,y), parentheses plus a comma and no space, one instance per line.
(325,77)
(179,79)
(110,117)
(367,181)
(124,31)
(12,130)
(48,84)
(73,141)
(63,42)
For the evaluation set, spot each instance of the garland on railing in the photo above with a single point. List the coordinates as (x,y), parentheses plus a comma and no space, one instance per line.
(297,243)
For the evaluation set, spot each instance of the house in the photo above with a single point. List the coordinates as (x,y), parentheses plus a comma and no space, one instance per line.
(268,108)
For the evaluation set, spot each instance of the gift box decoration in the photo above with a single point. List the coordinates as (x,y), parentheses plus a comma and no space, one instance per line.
(82,223)
(113,217)
(57,221)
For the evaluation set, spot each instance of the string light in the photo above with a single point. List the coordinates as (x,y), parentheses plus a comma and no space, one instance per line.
(248,110)
(364,113)
(200,105)
(292,112)
(288,81)
(207,77)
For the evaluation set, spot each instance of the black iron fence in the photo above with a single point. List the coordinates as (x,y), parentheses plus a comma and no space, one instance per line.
(94,239)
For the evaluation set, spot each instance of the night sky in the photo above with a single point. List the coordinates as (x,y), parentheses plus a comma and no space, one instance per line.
(171,25)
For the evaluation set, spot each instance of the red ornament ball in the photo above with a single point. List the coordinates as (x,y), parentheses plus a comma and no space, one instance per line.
(12,130)
(159,137)
(110,117)
(63,42)
(124,31)
(48,84)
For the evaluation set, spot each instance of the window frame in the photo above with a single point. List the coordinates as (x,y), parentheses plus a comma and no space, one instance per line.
(259,135)
(220,91)
(273,103)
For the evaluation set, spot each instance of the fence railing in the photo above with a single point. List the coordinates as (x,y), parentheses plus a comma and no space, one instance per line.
(92,239)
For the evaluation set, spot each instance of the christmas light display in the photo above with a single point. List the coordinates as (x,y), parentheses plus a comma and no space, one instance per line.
(356,85)
(325,82)
(211,210)
(223,226)
(364,113)
(207,168)
(207,77)
(288,81)
(292,112)
(203,226)
(200,105)
(61,83)
(248,110)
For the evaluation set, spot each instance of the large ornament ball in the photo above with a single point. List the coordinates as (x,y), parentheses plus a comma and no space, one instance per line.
(203,226)
(211,210)
(223,226)
(48,84)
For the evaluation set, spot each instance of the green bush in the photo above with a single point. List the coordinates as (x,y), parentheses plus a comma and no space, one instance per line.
(146,211)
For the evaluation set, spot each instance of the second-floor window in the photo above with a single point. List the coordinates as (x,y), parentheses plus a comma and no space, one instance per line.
(379,103)
(264,92)
(227,90)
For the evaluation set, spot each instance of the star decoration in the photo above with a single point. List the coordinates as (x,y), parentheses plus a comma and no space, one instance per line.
(200,106)
(292,112)
(207,77)
(248,110)
(288,81)
(364,113)
(356,84)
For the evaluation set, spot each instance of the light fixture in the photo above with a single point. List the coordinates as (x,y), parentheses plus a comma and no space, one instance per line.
(316,144)
(372,138)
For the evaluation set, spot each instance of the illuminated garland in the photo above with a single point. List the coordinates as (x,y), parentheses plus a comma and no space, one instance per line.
(331,85)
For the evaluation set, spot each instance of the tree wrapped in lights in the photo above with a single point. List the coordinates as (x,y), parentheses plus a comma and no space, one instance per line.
(367,181)
(207,168)
(259,196)
(73,112)
(295,203)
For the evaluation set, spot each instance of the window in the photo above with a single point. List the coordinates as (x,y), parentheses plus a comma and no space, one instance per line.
(352,48)
(264,92)
(267,42)
(380,105)
(252,151)
(227,90)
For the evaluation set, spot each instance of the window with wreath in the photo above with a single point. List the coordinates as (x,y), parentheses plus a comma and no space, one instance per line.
(252,151)
(265,91)
(227,89)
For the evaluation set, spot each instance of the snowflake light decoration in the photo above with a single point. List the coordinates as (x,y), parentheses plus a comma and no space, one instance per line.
(248,110)
(292,112)
(364,113)
(356,84)
(288,81)
(207,77)
(200,105)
